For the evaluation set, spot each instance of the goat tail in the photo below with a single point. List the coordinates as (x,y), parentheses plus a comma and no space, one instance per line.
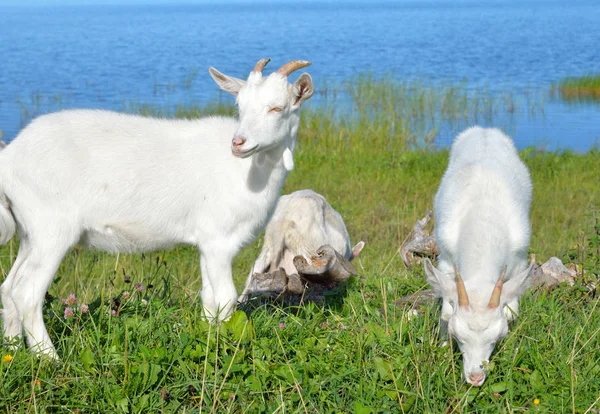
(8,226)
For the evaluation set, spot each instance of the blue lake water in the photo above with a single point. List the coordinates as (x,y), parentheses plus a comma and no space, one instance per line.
(110,56)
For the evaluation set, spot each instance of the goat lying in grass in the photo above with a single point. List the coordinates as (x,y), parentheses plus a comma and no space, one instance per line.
(303,222)
(125,183)
(482,229)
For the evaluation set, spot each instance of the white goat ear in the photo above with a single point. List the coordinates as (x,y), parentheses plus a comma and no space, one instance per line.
(441,284)
(516,285)
(302,89)
(227,83)
(357,249)
(288,159)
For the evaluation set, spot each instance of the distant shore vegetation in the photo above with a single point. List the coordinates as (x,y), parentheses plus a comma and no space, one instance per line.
(575,89)
(370,110)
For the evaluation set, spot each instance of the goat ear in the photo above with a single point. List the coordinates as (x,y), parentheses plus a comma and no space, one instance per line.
(357,249)
(227,83)
(516,285)
(302,89)
(442,285)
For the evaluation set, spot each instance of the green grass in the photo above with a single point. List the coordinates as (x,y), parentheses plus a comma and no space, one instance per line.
(584,88)
(355,353)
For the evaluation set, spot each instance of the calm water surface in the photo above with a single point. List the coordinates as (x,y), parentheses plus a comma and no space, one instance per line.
(109,56)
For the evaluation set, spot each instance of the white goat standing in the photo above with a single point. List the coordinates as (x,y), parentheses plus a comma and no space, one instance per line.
(126,183)
(482,229)
(303,222)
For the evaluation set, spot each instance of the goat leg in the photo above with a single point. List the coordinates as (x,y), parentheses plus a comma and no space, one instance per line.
(326,267)
(420,243)
(265,283)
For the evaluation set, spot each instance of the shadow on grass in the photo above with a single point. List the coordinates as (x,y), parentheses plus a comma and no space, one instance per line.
(330,299)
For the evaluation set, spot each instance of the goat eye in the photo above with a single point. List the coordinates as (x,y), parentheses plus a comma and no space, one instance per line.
(276,109)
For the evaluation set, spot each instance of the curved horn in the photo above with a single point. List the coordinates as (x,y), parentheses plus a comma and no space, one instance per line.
(260,65)
(289,67)
(463,298)
(497,292)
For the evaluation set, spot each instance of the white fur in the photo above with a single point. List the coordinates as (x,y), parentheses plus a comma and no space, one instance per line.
(482,223)
(303,221)
(125,183)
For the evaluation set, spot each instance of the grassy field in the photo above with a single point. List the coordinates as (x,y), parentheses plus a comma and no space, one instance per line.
(139,344)
(583,88)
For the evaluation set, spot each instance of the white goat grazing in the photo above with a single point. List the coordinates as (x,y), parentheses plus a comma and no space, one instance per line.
(303,222)
(482,229)
(126,183)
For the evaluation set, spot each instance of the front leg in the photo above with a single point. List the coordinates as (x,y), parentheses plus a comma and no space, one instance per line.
(219,296)
(206,293)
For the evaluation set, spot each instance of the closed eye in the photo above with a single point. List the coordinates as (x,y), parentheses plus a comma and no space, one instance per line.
(276,109)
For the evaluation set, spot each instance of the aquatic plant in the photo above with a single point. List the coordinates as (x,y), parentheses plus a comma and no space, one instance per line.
(578,89)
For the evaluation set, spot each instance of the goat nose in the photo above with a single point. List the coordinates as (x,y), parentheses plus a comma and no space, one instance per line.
(476,378)
(238,141)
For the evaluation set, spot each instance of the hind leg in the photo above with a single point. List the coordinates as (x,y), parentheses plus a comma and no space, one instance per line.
(12,327)
(30,286)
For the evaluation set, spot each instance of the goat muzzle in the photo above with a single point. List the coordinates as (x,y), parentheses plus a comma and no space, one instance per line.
(237,146)
(476,378)
(237,142)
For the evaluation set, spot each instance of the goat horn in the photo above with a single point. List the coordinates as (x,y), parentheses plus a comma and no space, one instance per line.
(289,67)
(260,65)
(463,298)
(497,292)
